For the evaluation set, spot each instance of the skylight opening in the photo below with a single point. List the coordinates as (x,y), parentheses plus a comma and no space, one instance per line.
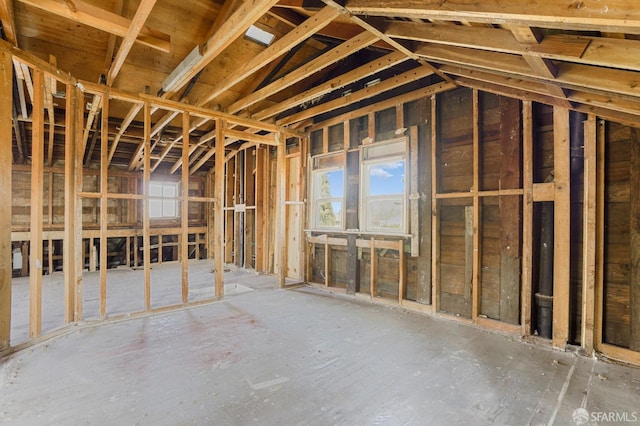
(259,36)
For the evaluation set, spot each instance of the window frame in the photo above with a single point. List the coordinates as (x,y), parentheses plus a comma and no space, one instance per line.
(366,161)
(315,170)
(162,199)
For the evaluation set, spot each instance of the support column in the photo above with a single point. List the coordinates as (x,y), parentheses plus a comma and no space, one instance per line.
(35,244)
(561,227)
(589,236)
(104,218)
(184,246)
(219,208)
(69,258)
(6,83)
(281,207)
(146,225)
(527,217)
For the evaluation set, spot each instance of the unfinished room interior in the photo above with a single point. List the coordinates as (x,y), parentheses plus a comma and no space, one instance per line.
(320,212)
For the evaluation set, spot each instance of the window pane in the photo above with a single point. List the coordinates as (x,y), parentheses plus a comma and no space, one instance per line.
(155,189)
(330,184)
(330,214)
(168,208)
(169,190)
(155,208)
(385,214)
(386,178)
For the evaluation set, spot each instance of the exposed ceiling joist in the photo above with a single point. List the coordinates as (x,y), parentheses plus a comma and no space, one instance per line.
(335,83)
(137,24)
(233,28)
(278,48)
(341,51)
(102,19)
(8,22)
(592,15)
(366,93)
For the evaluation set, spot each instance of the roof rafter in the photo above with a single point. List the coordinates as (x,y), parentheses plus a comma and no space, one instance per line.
(613,16)
(341,51)
(102,19)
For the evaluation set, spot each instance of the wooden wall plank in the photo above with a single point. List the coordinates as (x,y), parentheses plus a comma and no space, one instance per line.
(561,227)
(634,184)
(414,193)
(510,210)
(473,261)
(6,102)
(261,211)
(600,232)
(35,244)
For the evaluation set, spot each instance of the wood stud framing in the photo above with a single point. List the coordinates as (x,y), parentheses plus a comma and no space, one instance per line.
(6,82)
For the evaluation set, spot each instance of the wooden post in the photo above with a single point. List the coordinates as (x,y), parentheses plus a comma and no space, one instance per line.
(353,281)
(219,208)
(401,272)
(527,217)
(146,225)
(104,209)
(374,268)
(435,222)
(37,160)
(184,243)
(600,228)
(69,257)
(589,236)
(473,263)
(281,207)
(634,230)
(414,198)
(509,210)
(327,262)
(261,210)
(6,102)
(561,228)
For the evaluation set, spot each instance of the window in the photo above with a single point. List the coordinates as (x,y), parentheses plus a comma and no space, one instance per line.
(259,35)
(163,202)
(327,188)
(384,187)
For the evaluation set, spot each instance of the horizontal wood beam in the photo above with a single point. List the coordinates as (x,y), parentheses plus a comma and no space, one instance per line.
(102,19)
(250,137)
(366,93)
(341,51)
(336,83)
(233,28)
(302,32)
(137,24)
(613,16)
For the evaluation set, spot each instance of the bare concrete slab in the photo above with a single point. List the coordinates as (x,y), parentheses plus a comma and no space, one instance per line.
(288,357)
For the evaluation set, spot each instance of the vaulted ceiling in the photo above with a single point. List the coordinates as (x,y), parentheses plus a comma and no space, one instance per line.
(327,55)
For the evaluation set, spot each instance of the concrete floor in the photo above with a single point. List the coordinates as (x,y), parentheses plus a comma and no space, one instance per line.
(266,356)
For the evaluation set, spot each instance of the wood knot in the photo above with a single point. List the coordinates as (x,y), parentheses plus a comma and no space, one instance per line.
(577,4)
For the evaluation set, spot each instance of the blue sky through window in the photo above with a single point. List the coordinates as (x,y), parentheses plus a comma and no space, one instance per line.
(387,178)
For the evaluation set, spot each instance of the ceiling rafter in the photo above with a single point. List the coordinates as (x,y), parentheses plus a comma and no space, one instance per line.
(618,16)
(278,48)
(137,24)
(362,94)
(372,29)
(233,28)
(8,21)
(341,51)
(102,19)
(335,83)
(570,75)
(541,66)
